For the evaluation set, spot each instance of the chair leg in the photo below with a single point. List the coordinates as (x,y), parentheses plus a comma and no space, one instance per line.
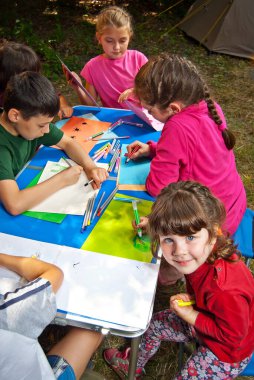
(180,355)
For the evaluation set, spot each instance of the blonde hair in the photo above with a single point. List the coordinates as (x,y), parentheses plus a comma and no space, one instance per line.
(114,17)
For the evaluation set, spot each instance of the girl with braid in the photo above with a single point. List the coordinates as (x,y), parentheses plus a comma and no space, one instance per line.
(186,224)
(195,143)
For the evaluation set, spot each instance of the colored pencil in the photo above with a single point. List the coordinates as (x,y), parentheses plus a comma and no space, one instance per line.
(134,150)
(88,183)
(100,149)
(95,135)
(111,138)
(91,210)
(115,125)
(117,164)
(136,215)
(104,205)
(99,203)
(131,123)
(186,303)
(113,160)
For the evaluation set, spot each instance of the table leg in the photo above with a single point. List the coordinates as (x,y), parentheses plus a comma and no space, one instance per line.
(133,356)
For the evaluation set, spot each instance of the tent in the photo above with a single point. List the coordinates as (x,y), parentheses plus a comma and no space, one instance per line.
(223,26)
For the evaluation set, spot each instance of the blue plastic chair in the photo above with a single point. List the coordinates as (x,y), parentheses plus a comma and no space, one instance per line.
(244,238)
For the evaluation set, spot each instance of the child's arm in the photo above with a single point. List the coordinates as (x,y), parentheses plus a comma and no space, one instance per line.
(187,313)
(84,99)
(17,201)
(143,151)
(143,224)
(125,95)
(65,109)
(31,268)
(77,154)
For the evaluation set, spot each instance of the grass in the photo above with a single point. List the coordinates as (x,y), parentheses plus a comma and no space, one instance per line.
(69,32)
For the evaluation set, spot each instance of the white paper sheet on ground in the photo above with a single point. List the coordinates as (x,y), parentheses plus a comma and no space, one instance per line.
(69,200)
(97,286)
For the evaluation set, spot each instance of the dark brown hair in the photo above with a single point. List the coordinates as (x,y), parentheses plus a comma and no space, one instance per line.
(184,208)
(16,58)
(167,78)
(32,94)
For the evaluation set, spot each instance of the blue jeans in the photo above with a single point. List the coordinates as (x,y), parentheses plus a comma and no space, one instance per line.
(61,368)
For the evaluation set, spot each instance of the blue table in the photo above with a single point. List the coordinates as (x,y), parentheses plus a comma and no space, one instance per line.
(68,232)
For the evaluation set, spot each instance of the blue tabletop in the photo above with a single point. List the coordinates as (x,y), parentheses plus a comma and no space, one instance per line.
(68,232)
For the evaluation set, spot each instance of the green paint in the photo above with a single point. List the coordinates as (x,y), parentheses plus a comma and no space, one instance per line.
(142,244)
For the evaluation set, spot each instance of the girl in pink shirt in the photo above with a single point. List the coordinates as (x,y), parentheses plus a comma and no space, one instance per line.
(112,73)
(195,143)
(186,224)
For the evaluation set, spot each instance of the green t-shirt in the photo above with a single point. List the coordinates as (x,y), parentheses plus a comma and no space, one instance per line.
(15,151)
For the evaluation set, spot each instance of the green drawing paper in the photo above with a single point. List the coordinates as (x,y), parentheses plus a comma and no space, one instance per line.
(114,234)
(48,217)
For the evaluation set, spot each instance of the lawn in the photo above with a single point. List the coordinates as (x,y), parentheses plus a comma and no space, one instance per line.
(59,27)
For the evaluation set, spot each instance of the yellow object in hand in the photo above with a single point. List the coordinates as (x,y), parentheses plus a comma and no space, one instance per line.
(186,303)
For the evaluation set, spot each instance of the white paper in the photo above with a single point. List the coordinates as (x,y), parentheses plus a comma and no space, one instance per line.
(102,287)
(69,200)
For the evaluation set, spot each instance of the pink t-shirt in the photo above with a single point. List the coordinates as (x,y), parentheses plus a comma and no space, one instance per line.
(110,77)
(191,147)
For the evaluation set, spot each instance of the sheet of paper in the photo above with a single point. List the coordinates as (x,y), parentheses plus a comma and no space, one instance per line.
(49,217)
(133,174)
(69,200)
(143,114)
(114,235)
(96,286)
(80,129)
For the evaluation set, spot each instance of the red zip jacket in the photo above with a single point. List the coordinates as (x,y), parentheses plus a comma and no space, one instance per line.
(224,294)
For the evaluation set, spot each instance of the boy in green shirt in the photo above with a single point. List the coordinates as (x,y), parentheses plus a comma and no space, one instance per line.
(30,104)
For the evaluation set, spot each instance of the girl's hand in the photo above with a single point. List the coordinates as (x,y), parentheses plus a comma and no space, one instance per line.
(71,175)
(65,112)
(98,175)
(143,224)
(73,81)
(144,150)
(125,95)
(187,313)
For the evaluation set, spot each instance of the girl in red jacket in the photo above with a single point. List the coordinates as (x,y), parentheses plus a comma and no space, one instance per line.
(218,307)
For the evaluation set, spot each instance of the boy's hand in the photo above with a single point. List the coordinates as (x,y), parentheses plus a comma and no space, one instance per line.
(125,95)
(144,150)
(71,175)
(187,313)
(98,175)
(143,224)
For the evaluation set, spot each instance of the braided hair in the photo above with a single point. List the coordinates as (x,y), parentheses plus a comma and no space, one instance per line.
(167,78)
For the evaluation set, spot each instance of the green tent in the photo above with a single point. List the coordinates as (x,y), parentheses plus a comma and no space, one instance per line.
(223,26)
